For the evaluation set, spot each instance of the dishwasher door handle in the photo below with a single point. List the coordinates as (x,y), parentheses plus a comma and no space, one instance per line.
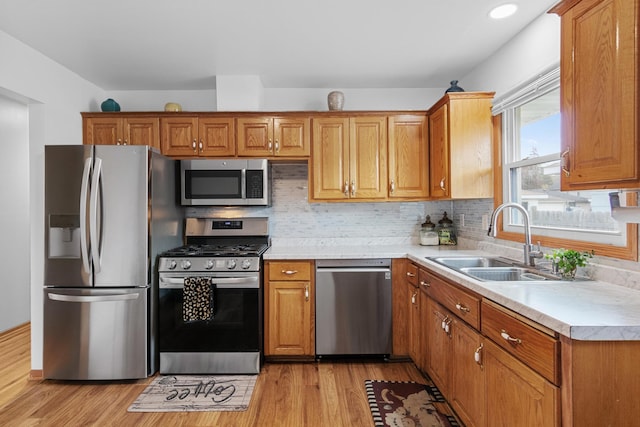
(352,270)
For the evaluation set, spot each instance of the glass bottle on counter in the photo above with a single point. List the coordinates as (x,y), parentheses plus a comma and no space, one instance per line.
(428,234)
(446,231)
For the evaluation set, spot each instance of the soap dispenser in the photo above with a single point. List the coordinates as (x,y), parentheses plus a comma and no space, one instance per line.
(446,231)
(428,234)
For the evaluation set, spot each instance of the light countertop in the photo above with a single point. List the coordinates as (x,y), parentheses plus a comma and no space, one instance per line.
(580,309)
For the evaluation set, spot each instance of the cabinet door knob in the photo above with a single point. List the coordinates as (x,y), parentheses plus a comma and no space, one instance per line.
(346,189)
(270,145)
(306,292)
(200,146)
(277,146)
(425,284)
(392,187)
(124,142)
(410,274)
(413,297)
(565,162)
(193,145)
(442,187)
(477,355)
(353,188)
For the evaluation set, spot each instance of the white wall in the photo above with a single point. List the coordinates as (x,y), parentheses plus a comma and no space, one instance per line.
(281,99)
(531,52)
(55,98)
(14,208)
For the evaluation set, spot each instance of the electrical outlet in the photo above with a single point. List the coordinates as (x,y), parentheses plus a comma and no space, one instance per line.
(485,222)
(461,220)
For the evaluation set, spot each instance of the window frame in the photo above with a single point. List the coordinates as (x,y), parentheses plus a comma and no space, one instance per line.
(626,252)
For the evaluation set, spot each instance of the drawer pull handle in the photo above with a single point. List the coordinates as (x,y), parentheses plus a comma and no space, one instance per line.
(425,284)
(461,307)
(411,274)
(509,338)
(289,272)
(477,355)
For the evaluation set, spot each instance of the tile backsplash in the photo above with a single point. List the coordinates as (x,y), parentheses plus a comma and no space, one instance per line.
(295,221)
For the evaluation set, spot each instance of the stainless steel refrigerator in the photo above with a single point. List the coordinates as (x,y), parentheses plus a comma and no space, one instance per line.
(109,211)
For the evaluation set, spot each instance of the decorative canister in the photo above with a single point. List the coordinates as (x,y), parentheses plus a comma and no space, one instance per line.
(428,234)
(109,105)
(335,100)
(454,87)
(172,106)
(446,231)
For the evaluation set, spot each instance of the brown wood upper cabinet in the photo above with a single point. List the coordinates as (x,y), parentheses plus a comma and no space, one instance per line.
(349,159)
(460,152)
(268,136)
(109,129)
(408,157)
(599,93)
(198,136)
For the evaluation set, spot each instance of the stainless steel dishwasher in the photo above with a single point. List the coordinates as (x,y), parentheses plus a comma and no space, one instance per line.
(353,307)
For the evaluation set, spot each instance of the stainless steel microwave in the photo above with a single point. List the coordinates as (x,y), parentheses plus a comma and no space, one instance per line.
(225,182)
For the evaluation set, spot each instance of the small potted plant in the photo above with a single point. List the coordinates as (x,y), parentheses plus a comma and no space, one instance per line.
(567,261)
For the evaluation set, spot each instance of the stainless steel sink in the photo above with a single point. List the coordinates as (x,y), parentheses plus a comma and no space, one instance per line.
(492,269)
(471,262)
(503,274)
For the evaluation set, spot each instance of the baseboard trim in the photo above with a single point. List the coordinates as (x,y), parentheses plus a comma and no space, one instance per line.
(36,375)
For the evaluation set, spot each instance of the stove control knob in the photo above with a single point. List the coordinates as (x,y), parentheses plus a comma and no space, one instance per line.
(186,264)
(172,265)
(208,264)
(246,264)
(231,264)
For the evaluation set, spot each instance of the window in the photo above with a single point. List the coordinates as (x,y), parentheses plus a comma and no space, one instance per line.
(530,175)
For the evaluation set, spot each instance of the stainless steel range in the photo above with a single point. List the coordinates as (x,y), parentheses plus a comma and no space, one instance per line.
(210,307)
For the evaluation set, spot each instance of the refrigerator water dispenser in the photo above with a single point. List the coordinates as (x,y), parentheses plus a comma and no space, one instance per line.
(64,236)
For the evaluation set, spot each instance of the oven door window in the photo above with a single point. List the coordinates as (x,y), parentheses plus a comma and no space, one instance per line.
(213,184)
(235,326)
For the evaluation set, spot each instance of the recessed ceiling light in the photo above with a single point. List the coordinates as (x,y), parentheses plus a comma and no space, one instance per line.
(503,11)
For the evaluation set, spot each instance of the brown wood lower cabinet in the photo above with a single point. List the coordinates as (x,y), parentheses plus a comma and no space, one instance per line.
(468,375)
(439,345)
(289,309)
(515,394)
(485,384)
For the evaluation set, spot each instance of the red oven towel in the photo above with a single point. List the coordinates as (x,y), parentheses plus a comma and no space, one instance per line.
(197,299)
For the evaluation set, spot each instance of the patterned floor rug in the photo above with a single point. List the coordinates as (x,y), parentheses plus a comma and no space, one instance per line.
(404,404)
(185,393)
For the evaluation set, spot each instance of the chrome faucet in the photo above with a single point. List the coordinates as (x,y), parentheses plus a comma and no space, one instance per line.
(529,253)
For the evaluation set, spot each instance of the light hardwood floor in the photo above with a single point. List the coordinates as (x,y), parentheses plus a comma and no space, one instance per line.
(326,393)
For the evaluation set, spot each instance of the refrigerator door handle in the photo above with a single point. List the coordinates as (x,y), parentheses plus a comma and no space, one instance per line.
(92,298)
(84,189)
(94,231)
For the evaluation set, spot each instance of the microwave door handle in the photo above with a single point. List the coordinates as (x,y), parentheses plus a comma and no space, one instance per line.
(94,212)
(243,184)
(84,191)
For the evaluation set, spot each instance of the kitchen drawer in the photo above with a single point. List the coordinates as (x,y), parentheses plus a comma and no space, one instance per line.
(290,270)
(412,274)
(461,303)
(535,345)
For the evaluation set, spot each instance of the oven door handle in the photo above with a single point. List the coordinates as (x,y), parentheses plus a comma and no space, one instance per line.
(226,282)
